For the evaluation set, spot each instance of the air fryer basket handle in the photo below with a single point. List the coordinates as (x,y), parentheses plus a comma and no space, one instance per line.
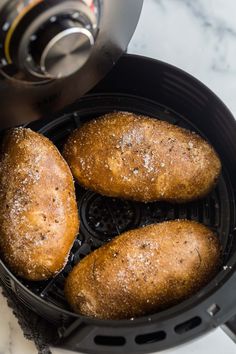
(230,328)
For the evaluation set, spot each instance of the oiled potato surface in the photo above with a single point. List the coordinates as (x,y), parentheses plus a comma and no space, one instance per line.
(135,157)
(38,211)
(144,270)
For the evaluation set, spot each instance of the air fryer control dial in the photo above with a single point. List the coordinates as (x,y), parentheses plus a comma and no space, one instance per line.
(47,39)
(54,51)
(62,47)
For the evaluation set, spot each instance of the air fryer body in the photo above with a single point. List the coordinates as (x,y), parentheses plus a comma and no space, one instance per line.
(161,91)
(53,51)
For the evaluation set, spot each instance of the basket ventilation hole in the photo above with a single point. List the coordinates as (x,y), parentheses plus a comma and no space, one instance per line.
(109,341)
(188,325)
(213,309)
(150,337)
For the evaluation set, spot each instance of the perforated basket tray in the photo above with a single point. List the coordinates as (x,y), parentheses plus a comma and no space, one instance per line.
(164,92)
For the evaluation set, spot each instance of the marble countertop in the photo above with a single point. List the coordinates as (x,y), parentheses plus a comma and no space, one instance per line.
(199,36)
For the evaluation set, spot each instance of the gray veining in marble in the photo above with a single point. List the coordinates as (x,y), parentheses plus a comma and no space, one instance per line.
(198,36)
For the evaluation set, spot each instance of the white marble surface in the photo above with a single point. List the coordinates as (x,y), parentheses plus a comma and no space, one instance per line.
(198,36)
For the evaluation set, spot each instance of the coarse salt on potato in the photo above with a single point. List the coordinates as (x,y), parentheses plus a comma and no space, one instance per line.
(135,157)
(38,211)
(144,270)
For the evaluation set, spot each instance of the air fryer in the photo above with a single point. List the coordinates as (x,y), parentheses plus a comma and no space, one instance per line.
(159,90)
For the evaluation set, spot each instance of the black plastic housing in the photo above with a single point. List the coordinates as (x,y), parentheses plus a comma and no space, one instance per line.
(162,91)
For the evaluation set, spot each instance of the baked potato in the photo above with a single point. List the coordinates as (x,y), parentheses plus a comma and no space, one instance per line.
(140,158)
(144,270)
(38,211)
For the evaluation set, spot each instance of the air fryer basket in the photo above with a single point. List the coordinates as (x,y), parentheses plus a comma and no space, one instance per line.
(159,90)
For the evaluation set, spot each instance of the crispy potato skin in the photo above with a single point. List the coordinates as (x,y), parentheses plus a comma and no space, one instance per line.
(38,211)
(144,270)
(135,157)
